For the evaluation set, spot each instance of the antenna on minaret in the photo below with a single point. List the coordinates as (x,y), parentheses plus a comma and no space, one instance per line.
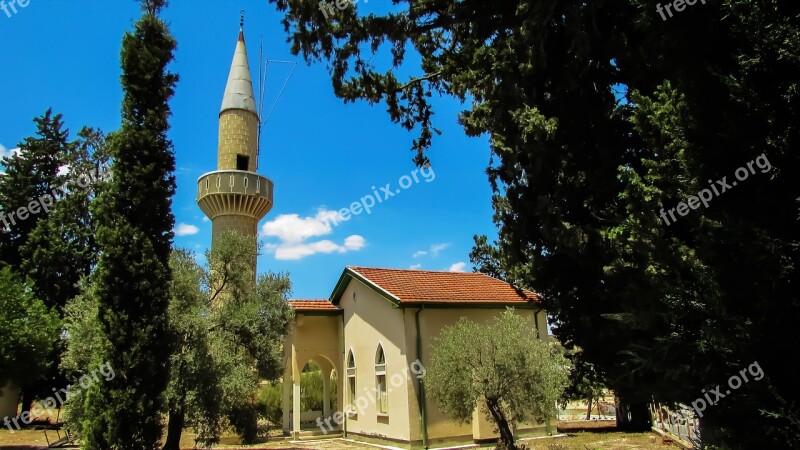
(263,71)
(262,85)
(241,22)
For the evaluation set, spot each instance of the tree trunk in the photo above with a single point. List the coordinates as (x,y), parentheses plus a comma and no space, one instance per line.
(506,436)
(27,399)
(174,429)
(589,408)
(632,415)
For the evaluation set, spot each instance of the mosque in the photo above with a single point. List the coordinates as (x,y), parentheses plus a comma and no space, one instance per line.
(372,335)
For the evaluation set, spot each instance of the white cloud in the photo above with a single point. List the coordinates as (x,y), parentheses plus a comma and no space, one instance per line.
(355,242)
(206,219)
(294,251)
(6,152)
(294,233)
(184,229)
(436,248)
(457,267)
(291,228)
(433,251)
(415,266)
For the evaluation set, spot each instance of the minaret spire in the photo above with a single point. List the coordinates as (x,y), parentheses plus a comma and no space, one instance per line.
(239,92)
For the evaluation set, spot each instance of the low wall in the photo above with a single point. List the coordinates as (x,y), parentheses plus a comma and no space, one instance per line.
(308,416)
(9,401)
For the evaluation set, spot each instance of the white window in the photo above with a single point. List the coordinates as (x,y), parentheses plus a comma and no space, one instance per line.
(351,380)
(380,381)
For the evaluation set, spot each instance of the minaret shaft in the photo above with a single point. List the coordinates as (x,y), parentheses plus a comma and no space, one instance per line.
(238,140)
(234,196)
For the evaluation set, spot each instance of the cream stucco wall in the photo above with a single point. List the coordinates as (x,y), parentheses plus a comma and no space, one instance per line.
(370,320)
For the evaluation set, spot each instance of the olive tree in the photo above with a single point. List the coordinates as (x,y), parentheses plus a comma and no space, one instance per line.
(502,365)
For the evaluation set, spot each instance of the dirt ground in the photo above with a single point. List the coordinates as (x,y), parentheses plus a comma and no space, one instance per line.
(601,439)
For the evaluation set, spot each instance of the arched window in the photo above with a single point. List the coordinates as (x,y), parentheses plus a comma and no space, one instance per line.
(351,380)
(380,381)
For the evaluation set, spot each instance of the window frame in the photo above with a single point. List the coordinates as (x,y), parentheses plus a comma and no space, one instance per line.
(381,389)
(350,374)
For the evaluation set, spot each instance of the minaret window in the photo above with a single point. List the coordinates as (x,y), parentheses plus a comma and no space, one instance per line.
(242,162)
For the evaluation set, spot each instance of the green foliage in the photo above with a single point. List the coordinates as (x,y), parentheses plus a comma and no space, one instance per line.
(244,419)
(312,394)
(84,336)
(134,236)
(515,376)
(584,382)
(54,247)
(228,333)
(599,114)
(29,331)
(29,176)
(61,249)
(193,392)
(270,402)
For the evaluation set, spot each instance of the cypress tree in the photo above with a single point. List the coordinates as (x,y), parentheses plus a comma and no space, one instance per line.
(134,235)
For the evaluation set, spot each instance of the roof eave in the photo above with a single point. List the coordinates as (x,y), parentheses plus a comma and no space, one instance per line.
(319,312)
(466,305)
(350,274)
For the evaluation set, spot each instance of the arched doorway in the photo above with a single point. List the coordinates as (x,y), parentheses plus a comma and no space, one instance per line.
(318,397)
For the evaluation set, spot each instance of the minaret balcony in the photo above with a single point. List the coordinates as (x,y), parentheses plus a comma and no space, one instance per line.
(234,192)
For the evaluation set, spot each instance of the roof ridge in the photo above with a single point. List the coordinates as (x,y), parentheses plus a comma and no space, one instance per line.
(416,270)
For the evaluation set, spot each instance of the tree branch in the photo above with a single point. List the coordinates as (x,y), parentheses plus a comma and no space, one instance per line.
(420,79)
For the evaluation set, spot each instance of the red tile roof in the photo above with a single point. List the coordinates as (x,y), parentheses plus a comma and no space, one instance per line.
(312,305)
(422,286)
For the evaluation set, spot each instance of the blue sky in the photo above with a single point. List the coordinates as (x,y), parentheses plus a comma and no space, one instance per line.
(321,154)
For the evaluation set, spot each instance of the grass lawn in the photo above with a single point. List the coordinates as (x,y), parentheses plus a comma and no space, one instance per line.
(586,440)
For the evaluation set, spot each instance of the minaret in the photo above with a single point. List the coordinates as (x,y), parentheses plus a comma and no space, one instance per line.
(235,196)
